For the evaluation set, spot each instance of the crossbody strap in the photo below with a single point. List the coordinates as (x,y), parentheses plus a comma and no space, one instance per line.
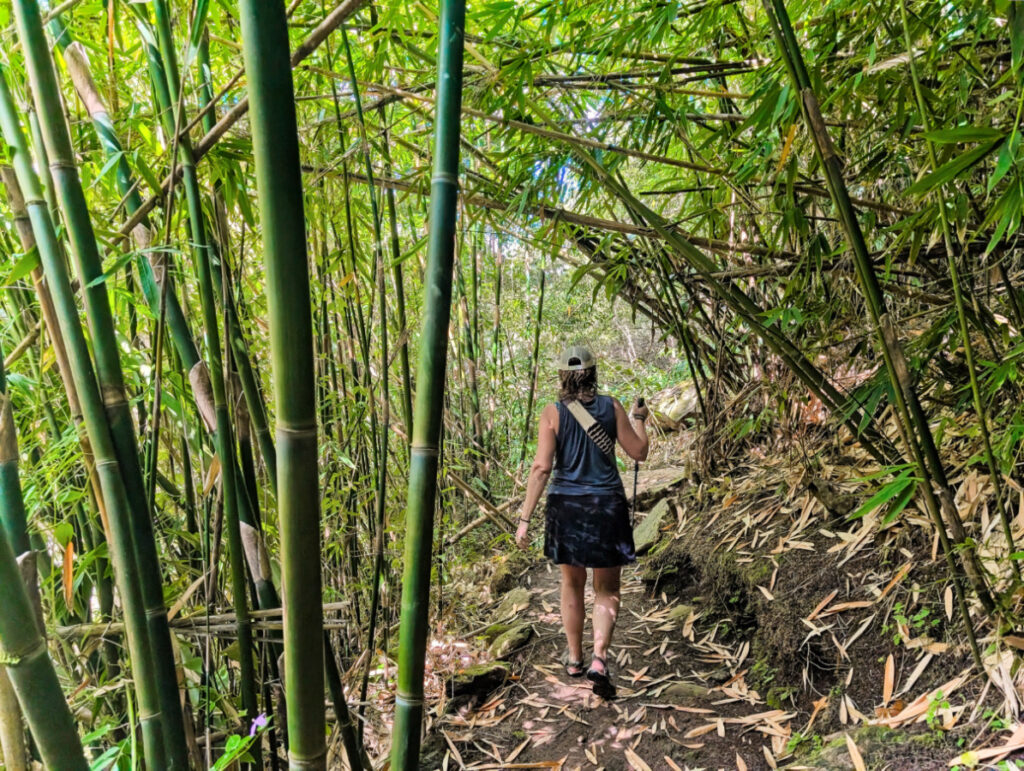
(591,427)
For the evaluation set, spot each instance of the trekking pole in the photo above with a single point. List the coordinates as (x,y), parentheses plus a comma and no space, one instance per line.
(636,475)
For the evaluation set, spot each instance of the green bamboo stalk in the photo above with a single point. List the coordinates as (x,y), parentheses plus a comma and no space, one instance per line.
(381,429)
(173,117)
(398,278)
(71,199)
(427,418)
(23,225)
(94,417)
(958,299)
(908,409)
(470,358)
(13,525)
(279,183)
(31,673)
(158,263)
(533,370)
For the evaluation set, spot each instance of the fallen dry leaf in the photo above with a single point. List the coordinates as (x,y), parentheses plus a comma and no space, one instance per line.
(635,761)
(855,756)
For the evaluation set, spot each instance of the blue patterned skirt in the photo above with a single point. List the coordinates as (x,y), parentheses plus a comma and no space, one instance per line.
(590,531)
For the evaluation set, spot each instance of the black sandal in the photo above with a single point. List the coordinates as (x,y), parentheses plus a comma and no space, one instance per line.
(602,681)
(570,665)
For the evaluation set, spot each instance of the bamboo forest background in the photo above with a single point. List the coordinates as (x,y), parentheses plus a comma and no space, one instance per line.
(819,198)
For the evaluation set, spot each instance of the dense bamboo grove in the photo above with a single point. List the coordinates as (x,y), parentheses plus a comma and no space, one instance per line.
(280,283)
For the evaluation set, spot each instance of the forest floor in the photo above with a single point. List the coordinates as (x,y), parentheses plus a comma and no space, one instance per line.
(722,661)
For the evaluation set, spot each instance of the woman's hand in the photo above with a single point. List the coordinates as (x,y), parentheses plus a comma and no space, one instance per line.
(522,535)
(639,412)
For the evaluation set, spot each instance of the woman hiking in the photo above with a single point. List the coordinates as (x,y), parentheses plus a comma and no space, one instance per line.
(587,517)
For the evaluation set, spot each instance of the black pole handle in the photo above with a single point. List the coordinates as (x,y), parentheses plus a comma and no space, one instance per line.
(640,402)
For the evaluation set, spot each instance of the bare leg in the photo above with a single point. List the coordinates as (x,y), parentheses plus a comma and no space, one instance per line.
(606,610)
(574,579)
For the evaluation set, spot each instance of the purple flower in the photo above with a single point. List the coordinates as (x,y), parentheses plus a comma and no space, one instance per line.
(258,723)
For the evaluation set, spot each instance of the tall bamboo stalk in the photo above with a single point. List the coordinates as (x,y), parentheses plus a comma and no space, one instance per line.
(533,369)
(279,184)
(71,199)
(173,116)
(427,420)
(94,417)
(13,526)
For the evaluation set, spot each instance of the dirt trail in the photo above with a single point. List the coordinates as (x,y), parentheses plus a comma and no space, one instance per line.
(682,702)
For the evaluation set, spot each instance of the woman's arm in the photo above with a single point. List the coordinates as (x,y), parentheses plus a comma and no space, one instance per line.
(540,471)
(632,434)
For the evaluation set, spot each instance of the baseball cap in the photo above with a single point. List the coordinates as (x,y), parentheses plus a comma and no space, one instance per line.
(576,357)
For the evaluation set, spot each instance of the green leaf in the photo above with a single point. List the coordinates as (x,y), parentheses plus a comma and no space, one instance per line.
(885,494)
(1007,155)
(63,532)
(964,134)
(1016,34)
(948,171)
(905,496)
(112,268)
(28,262)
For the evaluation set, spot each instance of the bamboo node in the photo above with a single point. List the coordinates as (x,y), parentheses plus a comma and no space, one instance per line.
(409,701)
(445,178)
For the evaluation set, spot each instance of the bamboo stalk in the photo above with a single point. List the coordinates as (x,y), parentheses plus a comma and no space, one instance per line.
(533,371)
(12,733)
(71,199)
(429,394)
(95,421)
(13,526)
(173,113)
(279,184)
(31,672)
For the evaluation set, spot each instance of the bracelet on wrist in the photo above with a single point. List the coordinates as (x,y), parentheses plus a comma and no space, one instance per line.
(524,519)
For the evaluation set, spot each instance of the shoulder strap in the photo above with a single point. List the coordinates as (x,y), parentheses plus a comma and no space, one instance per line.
(591,427)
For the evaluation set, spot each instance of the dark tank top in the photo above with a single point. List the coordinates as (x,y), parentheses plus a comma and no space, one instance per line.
(581,468)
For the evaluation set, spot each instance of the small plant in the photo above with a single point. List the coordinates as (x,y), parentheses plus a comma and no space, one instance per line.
(237,747)
(918,624)
(993,720)
(932,716)
(799,742)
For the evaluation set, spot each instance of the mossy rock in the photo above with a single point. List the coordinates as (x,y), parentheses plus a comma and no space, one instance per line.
(511,640)
(506,575)
(494,631)
(648,532)
(512,603)
(879,746)
(479,680)
(685,693)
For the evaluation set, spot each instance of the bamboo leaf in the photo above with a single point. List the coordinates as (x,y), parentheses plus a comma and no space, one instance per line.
(885,494)
(113,267)
(951,169)
(28,262)
(964,134)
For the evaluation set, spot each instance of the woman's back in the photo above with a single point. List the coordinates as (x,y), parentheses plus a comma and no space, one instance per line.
(581,467)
